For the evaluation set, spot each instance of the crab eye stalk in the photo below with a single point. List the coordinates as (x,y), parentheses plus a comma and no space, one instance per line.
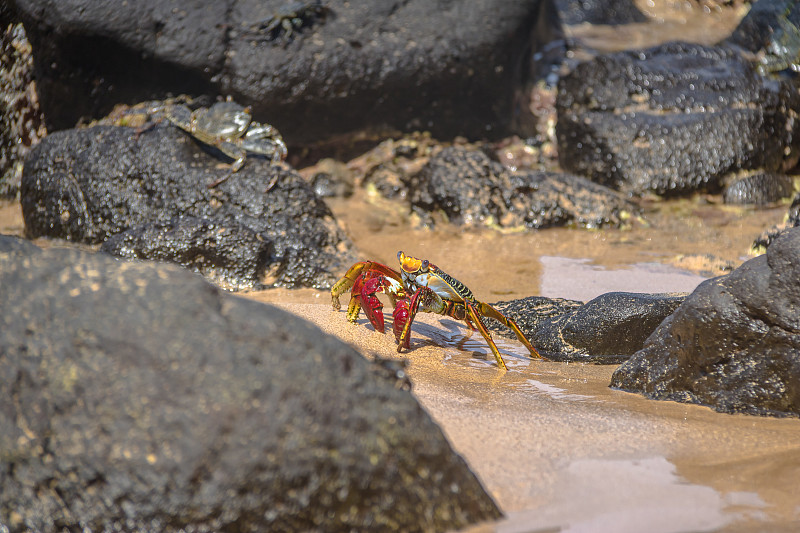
(424,265)
(400,256)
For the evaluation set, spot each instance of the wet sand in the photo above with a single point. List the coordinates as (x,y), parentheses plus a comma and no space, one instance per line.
(560,451)
(553,444)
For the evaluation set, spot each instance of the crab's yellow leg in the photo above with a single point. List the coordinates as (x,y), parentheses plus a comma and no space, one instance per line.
(345,283)
(476,318)
(487,310)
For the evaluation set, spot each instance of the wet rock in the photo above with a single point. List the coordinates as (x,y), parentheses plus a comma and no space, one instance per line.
(388,167)
(673,119)
(231,255)
(21,121)
(449,67)
(327,186)
(734,344)
(471,189)
(145,399)
(606,330)
(87,185)
(771,32)
(792,221)
(760,188)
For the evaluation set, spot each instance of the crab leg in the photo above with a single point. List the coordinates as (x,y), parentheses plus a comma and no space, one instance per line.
(489,311)
(476,318)
(355,278)
(432,303)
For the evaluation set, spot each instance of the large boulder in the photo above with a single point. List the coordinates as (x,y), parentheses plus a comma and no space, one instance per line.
(315,71)
(88,185)
(138,397)
(734,344)
(673,119)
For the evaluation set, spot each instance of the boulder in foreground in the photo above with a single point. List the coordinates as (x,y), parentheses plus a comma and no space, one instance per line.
(141,398)
(734,344)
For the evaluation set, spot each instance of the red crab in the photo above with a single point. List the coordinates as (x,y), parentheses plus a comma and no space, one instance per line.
(419,284)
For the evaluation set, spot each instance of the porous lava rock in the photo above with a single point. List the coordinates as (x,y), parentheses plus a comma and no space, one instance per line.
(231,255)
(139,397)
(673,119)
(21,121)
(471,189)
(734,344)
(792,221)
(759,188)
(769,33)
(312,71)
(88,185)
(606,330)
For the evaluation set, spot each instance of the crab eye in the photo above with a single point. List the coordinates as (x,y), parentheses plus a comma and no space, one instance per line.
(425,264)
(400,255)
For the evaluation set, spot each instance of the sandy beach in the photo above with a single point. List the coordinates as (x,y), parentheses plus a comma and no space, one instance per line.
(560,451)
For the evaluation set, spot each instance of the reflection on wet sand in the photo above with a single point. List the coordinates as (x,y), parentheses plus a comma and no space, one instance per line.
(560,451)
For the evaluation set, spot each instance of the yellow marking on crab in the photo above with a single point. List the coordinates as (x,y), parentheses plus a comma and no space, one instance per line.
(408,263)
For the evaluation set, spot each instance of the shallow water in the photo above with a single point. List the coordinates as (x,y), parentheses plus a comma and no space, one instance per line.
(561,451)
(671,247)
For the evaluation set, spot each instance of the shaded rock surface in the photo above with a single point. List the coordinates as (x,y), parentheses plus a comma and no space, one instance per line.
(760,188)
(734,344)
(229,254)
(87,185)
(607,329)
(21,121)
(673,119)
(141,398)
(418,64)
(792,221)
(471,189)
(770,30)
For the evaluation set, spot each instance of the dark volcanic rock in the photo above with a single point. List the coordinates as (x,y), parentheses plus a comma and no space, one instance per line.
(141,398)
(760,188)
(471,189)
(21,121)
(229,254)
(792,221)
(673,119)
(734,344)
(769,30)
(89,184)
(606,330)
(450,67)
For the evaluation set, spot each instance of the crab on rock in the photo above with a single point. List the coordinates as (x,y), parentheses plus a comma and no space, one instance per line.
(418,285)
(229,127)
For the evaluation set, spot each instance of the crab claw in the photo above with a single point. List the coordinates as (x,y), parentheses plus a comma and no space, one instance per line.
(372,306)
(400,316)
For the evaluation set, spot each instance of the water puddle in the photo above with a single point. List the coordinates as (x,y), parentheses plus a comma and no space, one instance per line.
(631,495)
(580,279)
(556,393)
